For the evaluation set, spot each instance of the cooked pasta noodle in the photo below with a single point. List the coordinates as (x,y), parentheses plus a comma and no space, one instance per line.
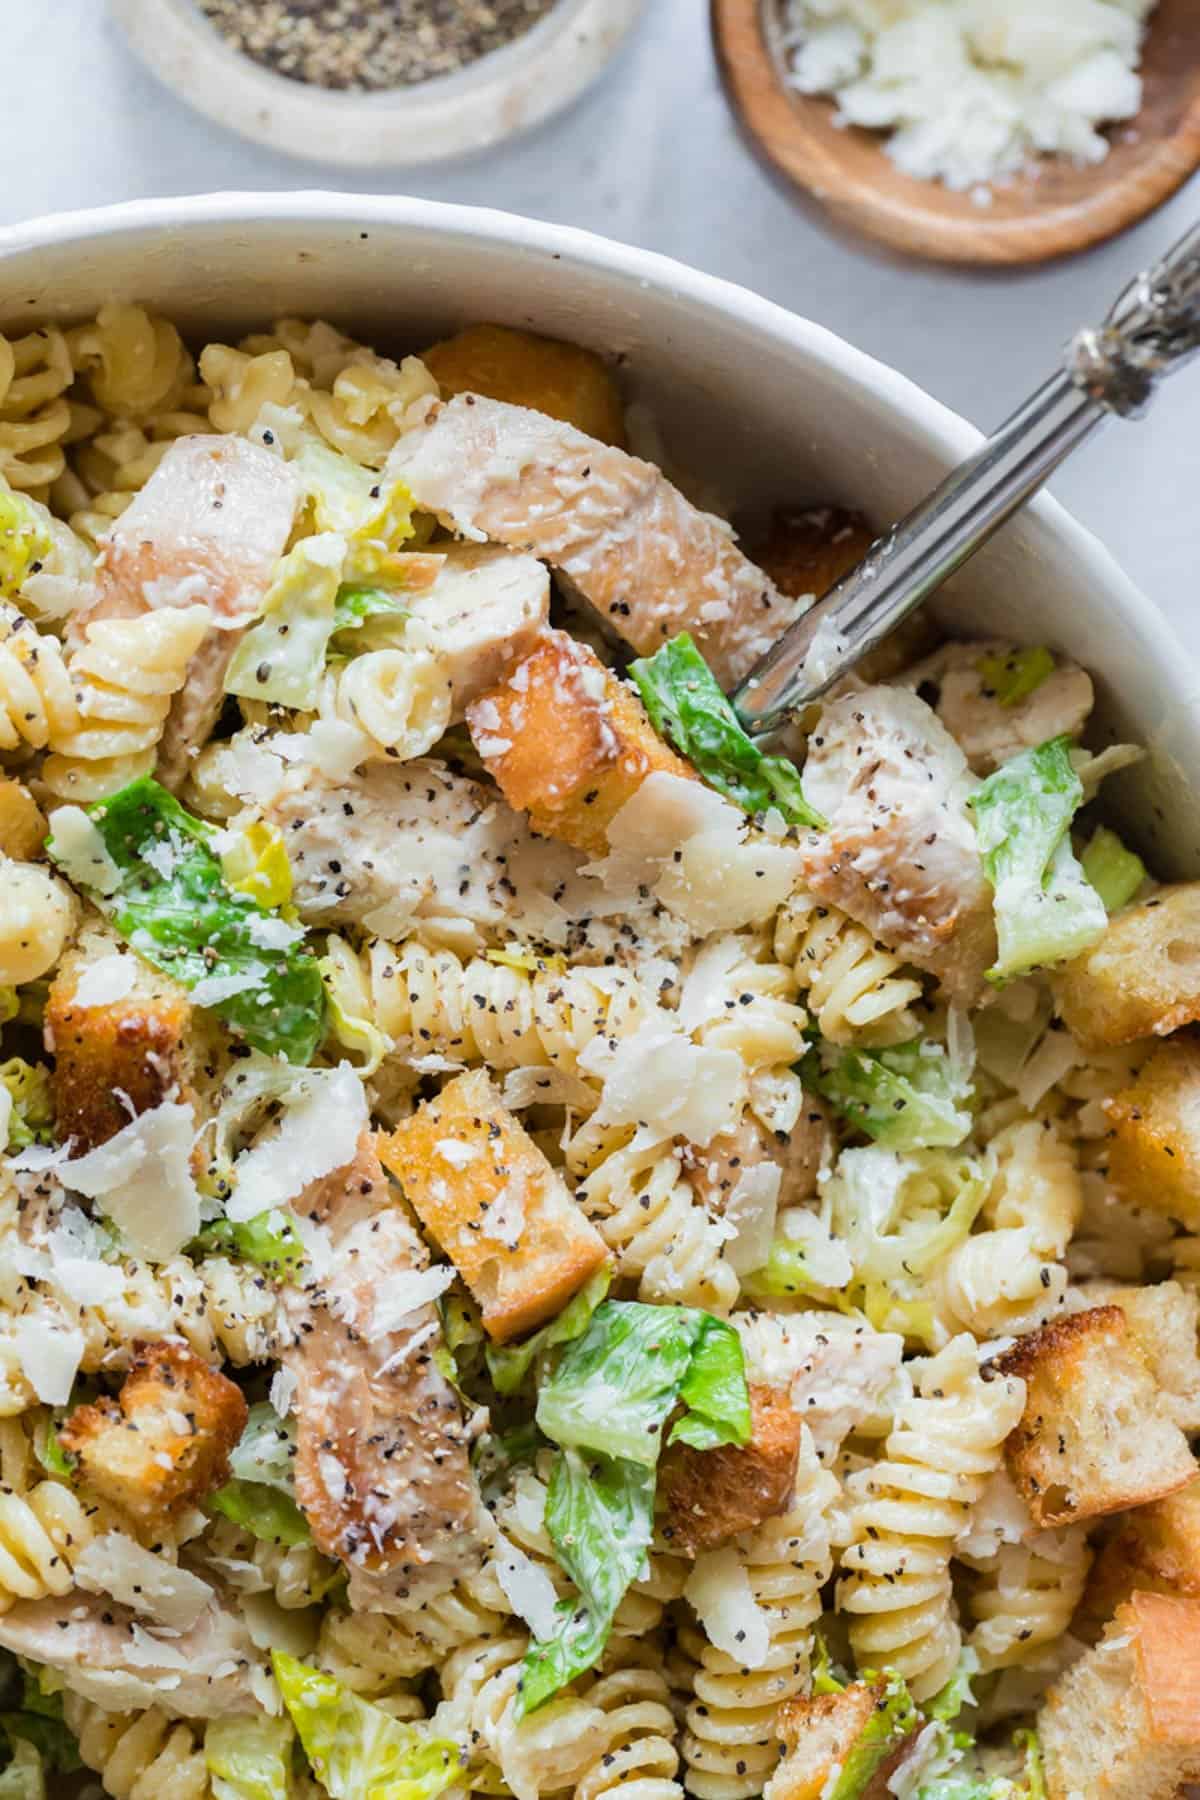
(37,915)
(859,992)
(42,1534)
(640,1760)
(140,1756)
(1025,1595)
(400,698)
(134,363)
(124,679)
(37,700)
(35,415)
(646,1210)
(242,385)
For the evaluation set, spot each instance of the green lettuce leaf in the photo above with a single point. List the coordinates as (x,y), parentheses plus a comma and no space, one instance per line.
(356,606)
(261,1496)
(282,656)
(1014,677)
(1035,1775)
(270,1240)
(24,539)
(611,1390)
(600,1518)
(270,1515)
(912,1097)
(1115,872)
(686,706)
(358,1751)
(1046,910)
(47,1447)
(895,1718)
(177,911)
(39,1721)
(32,1118)
(266,1450)
(249,1758)
(25,1777)
(509,1364)
(714,1391)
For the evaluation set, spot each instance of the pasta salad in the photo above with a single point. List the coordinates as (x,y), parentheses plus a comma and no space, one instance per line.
(550,1248)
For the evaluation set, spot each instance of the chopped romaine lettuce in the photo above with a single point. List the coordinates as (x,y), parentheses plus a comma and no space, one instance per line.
(358,1751)
(600,1517)
(949,1702)
(47,1446)
(176,909)
(282,656)
(1115,872)
(249,1758)
(39,1722)
(259,1509)
(24,539)
(1014,677)
(25,1776)
(1030,1745)
(509,1364)
(356,606)
(262,1494)
(495,1457)
(1046,910)
(266,1450)
(894,1720)
(913,1097)
(612,1389)
(714,1390)
(685,705)
(254,861)
(31,1119)
(271,1240)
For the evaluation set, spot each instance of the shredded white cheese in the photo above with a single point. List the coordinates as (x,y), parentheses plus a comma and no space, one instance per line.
(318,1133)
(527,1587)
(49,1357)
(142,1179)
(399,1296)
(80,851)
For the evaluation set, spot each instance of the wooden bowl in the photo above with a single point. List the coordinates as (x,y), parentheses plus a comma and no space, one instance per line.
(1053,211)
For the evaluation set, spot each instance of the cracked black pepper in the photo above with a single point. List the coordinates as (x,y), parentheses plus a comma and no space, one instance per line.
(369,45)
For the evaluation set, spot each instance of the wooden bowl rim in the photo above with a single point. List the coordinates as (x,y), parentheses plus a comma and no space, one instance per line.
(773,120)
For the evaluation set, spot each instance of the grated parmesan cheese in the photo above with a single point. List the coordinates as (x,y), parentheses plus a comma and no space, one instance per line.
(972,91)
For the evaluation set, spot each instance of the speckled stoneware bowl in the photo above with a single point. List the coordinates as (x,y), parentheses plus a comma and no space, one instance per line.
(768,406)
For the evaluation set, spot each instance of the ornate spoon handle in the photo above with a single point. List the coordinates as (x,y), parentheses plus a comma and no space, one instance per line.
(1114,368)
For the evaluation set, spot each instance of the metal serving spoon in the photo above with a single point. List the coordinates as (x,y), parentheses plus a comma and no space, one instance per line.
(1153,329)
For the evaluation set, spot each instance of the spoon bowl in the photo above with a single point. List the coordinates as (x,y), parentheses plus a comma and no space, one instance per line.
(1056,209)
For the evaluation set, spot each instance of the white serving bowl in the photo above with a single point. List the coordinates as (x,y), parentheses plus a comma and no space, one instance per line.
(768,405)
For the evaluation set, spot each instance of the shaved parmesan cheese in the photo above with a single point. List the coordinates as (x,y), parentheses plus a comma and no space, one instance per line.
(547,1087)
(527,1587)
(399,1296)
(707,988)
(719,1590)
(750,1210)
(80,851)
(50,1358)
(39,1158)
(318,1133)
(142,1178)
(456,1154)
(108,979)
(212,989)
(282,1391)
(268,933)
(660,1079)
(141,1580)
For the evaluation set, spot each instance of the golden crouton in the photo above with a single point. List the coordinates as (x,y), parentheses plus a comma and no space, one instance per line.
(1142,978)
(526,370)
(1154,1153)
(1164,1318)
(486,1194)
(709,1496)
(821,1734)
(1124,1722)
(567,742)
(1156,1550)
(23,827)
(1096,1435)
(138,1051)
(164,1442)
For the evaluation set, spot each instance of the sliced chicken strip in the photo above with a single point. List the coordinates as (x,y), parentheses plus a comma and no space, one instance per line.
(382,1469)
(900,854)
(486,610)
(648,562)
(842,1375)
(113,1659)
(988,729)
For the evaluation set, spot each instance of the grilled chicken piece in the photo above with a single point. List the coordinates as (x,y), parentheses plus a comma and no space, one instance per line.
(209,525)
(382,1469)
(486,610)
(959,681)
(840,1375)
(115,1660)
(643,556)
(900,854)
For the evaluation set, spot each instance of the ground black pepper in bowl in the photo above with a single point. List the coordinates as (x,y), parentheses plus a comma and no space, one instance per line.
(369,45)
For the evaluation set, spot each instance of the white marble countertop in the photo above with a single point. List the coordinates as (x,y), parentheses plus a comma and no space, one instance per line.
(652,156)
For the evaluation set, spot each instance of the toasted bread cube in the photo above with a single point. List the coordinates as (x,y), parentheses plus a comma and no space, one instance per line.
(822,1732)
(137,1051)
(1096,1435)
(1124,1722)
(1165,1321)
(1154,1153)
(709,1496)
(1143,978)
(23,827)
(164,1442)
(567,742)
(542,373)
(1155,1551)
(489,1198)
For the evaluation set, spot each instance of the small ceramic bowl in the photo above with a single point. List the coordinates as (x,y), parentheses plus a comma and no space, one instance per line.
(507,91)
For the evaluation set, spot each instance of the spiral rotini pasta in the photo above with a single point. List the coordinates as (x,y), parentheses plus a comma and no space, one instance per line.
(399,698)
(140,1756)
(728,1745)
(1025,1596)
(542,1753)
(37,914)
(242,385)
(907,1511)
(37,700)
(124,679)
(859,992)
(134,363)
(640,1760)
(42,1534)
(35,415)
(373,1652)
(296,1574)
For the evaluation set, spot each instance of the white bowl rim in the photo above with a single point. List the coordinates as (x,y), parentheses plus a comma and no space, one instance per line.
(943,432)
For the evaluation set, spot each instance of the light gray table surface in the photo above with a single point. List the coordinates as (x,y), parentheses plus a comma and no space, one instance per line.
(652,156)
